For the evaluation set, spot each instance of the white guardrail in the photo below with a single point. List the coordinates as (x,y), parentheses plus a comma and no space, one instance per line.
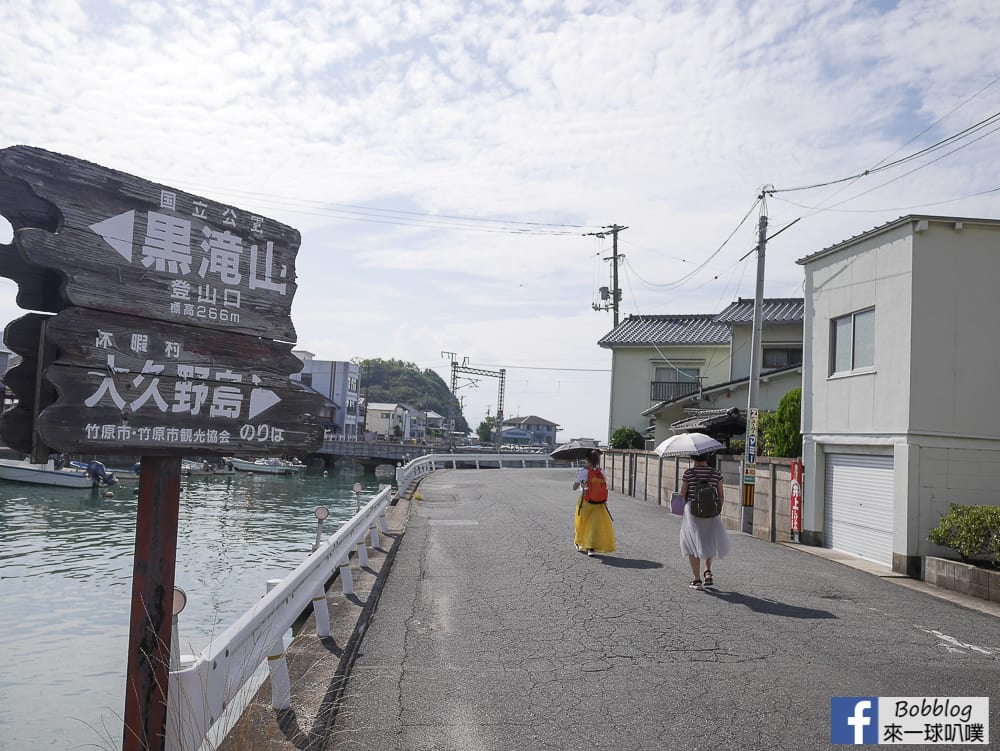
(424,465)
(199,693)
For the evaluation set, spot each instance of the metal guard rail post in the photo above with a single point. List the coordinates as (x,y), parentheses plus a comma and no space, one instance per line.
(413,470)
(198,694)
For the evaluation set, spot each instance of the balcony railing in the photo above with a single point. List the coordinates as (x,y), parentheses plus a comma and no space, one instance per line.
(665,391)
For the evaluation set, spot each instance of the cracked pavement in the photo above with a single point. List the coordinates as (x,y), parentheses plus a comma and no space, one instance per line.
(492,632)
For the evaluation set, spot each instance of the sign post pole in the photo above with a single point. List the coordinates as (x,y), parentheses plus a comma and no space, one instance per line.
(147,672)
(171,336)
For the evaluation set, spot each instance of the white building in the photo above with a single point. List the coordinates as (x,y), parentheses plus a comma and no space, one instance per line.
(899,416)
(339,381)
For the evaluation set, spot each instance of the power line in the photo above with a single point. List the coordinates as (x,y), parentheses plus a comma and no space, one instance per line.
(972,129)
(402,217)
(889,208)
(703,264)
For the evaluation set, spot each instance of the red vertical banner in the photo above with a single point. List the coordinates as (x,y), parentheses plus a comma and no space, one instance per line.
(795,511)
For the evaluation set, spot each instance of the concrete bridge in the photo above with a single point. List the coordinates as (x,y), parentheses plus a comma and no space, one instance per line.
(372,453)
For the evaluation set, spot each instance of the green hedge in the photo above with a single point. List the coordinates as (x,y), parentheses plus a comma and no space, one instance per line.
(972,531)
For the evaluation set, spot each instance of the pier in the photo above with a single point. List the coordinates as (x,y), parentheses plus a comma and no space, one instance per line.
(476,625)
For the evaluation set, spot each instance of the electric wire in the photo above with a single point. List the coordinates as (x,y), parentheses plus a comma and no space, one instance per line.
(703,264)
(889,208)
(972,129)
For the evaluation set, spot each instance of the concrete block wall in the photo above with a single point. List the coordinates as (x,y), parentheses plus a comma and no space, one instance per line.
(648,477)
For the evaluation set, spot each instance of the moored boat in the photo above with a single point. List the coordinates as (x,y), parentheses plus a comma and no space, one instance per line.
(46,474)
(192,468)
(270,466)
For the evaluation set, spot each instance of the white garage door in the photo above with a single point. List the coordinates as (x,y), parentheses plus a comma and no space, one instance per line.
(857,512)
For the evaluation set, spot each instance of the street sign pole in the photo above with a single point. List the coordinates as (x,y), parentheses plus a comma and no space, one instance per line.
(147,671)
(750,454)
(172,335)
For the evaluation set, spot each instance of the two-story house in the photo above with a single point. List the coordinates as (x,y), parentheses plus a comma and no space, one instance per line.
(667,368)
(339,382)
(898,414)
(532,429)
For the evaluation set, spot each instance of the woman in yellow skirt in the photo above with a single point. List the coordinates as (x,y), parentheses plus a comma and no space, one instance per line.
(595,532)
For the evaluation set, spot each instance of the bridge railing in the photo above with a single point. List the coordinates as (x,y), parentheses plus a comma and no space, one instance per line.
(409,473)
(199,693)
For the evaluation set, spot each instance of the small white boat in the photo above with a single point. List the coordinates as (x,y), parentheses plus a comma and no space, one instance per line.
(192,468)
(271,466)
(46,474)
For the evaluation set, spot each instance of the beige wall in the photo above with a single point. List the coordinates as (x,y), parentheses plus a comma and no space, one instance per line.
(956,313)
(651,478)
(633,369)
(771,334)
(769,395)
(875,272)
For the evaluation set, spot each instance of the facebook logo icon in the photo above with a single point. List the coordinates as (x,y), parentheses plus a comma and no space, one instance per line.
(854,720)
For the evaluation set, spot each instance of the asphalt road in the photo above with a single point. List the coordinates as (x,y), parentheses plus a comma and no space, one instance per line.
(492,632)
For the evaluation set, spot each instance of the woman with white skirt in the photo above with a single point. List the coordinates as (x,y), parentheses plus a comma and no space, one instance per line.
(702,539)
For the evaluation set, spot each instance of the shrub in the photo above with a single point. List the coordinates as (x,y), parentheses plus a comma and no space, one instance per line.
(626,437)
(782,434)
(972,531)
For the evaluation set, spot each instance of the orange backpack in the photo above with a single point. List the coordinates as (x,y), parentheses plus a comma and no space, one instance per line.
(597,486)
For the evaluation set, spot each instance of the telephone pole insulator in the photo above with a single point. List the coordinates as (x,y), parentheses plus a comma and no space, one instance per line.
(612,298)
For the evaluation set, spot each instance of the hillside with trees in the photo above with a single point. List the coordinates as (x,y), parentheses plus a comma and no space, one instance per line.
(398,381)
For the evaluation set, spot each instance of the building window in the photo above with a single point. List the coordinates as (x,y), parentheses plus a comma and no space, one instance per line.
(852,342)
(781,357)
(670,383)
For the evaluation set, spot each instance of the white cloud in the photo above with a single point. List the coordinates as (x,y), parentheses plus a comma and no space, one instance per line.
(667,118)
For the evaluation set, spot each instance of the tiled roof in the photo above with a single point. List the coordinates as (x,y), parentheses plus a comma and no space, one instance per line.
(678,329)
(773,310)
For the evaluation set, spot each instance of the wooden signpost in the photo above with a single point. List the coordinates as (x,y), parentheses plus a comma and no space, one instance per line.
(164,329)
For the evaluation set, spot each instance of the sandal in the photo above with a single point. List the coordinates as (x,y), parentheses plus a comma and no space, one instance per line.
(696,584)
(709,581)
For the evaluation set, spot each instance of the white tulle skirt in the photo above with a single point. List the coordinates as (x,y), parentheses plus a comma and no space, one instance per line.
(704,538)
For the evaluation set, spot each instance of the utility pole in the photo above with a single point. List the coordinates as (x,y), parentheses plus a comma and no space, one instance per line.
(750,453)
(611,297)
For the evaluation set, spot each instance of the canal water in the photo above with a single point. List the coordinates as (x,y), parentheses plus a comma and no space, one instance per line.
(65,587)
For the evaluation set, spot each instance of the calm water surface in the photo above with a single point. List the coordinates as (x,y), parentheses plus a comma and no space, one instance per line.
(66,578)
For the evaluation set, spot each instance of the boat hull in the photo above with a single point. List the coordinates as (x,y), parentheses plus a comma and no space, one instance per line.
(269,468)
(43,474)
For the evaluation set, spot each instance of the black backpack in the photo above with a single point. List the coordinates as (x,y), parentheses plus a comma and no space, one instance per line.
(706,503)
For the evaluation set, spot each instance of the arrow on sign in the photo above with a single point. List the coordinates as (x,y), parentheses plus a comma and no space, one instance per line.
(260,400)
(117,232)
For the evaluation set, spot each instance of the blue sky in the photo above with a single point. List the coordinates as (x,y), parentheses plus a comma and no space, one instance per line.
(667,117)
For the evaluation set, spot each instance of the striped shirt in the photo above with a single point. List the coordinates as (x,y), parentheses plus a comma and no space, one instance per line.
(693,474)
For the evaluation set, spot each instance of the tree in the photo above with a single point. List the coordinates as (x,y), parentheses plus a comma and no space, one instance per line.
(398,381)
(782,434)
(626,437)
(485,429)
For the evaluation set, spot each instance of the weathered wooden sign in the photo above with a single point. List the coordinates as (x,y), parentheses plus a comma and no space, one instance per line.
(147,387)
(131,246)
(24,336)
(173,331)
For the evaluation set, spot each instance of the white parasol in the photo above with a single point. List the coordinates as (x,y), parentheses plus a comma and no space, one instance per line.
(688,444)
